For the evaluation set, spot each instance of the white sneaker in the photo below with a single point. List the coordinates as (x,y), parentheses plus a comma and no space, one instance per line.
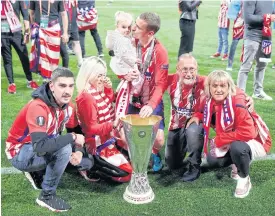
(234,172)
(262,96)
(243,187)
(229,69)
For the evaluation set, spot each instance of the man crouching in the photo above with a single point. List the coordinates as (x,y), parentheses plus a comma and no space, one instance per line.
(35,142)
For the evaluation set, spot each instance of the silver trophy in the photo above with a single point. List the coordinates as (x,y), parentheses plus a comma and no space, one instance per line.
(140,134)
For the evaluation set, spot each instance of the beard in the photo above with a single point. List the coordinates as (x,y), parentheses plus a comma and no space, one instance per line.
(188,81)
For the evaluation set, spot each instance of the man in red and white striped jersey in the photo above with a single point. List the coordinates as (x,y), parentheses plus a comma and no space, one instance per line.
(35,142)
(186,90)
(223,25)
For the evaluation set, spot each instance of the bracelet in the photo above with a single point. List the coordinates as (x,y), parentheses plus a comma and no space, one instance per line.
(27,34)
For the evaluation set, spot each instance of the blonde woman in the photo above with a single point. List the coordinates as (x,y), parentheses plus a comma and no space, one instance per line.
(241,136)
(94,101)
(95,109)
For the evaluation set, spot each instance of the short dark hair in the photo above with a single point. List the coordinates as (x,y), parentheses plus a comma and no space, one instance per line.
(152,20)
(61,72)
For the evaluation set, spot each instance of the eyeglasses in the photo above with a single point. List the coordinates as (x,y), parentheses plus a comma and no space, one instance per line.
(186,69)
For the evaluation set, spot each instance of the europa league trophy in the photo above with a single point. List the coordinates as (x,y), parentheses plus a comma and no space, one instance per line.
(140,134)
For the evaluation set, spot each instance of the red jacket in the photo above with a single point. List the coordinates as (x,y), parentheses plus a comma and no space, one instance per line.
(244,128)
(27,122)
(87,113)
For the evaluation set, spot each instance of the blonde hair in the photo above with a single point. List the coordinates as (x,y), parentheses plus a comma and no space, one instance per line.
(89,71)
(121,16)
(219,76)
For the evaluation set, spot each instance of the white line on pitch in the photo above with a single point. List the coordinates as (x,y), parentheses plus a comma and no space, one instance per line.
(12,170)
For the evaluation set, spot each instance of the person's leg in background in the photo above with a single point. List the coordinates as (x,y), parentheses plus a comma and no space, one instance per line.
(187,29)
(250,50)
(224,32)
(21,49)
(259,73)
(75,39)
(97,40)
(7,59)
(220,45)
(82,42)
(232,51)
(64,55)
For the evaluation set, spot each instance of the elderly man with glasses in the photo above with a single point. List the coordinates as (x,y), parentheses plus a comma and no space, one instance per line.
(185,88)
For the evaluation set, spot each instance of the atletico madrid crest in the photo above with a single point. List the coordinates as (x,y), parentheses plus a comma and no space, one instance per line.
(266,46)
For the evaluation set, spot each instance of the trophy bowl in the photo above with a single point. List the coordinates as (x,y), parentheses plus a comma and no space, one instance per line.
(140,134)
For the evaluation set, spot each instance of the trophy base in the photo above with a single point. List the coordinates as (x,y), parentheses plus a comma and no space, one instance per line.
(138,198)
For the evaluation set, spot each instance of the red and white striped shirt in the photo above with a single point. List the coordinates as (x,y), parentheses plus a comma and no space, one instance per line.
(181,108)
(223,21)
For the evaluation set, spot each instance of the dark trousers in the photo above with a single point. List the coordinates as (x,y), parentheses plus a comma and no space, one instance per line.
(97,40)
(181,141)
(238,154)
(15,40)
(64,55)
(187,28)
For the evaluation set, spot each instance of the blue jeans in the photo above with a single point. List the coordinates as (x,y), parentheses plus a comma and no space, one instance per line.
(54,163)
(223,40)
(232,51)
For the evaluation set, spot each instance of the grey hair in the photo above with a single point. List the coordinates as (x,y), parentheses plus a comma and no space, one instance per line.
(188,56)
(152,20)
(89,71)
(219,76)
(61,72)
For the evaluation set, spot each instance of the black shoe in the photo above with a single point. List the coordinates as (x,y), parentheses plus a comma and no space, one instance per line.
(192,173)
(52,202)
(35,178)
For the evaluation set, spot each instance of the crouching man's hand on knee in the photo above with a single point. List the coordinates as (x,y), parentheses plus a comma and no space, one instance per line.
(76,158)
(79,139)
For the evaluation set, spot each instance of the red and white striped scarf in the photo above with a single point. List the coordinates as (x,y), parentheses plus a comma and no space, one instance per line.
(122,99)
(226,121)
(7,13)
(45,49)
(105,109)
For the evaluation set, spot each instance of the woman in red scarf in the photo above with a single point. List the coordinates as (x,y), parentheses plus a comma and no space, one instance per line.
(96,114)
(240,135)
